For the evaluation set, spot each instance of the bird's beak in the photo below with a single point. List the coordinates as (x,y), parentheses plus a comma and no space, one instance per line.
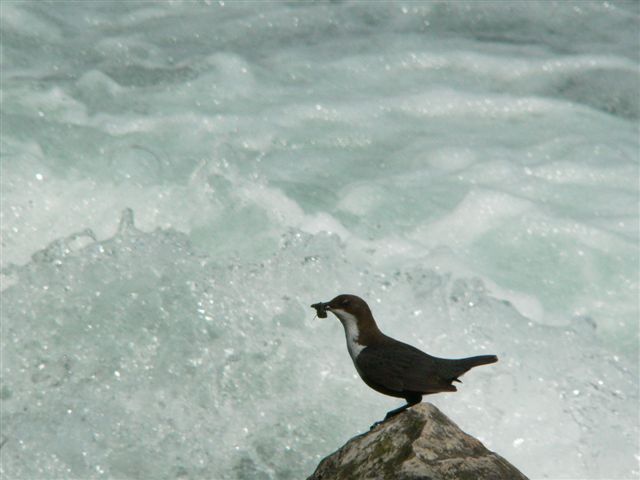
(321,309)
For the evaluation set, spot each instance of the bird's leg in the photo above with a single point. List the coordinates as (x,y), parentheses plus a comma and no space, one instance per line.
(411,401)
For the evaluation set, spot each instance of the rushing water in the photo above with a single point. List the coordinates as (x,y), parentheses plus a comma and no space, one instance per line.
(471,169)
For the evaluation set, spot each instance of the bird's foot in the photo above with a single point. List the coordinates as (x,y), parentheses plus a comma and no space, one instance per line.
(388,416)
(380,422)
(392,414)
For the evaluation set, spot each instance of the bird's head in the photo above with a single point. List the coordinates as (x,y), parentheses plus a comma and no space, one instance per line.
(344,306)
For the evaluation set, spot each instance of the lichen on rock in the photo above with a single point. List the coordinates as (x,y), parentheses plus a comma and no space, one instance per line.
(421,443)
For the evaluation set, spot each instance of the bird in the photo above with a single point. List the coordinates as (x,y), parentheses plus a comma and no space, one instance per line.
(389,366)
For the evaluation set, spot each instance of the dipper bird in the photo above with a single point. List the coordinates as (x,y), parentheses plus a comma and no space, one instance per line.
(389,366)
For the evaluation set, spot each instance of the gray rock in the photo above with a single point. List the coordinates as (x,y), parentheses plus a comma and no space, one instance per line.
(420,443)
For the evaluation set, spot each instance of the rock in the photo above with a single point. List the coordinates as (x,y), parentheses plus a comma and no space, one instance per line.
(420,443)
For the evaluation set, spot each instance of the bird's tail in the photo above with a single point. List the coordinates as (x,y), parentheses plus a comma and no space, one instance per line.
(479,360)
(463,365)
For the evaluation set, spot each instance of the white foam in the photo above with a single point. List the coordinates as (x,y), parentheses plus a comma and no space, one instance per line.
(468,169)
(478,213)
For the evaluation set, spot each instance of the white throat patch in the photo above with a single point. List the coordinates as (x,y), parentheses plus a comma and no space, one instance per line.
(350,324)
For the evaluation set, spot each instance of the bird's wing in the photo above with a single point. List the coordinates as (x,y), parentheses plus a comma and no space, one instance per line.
(401,368)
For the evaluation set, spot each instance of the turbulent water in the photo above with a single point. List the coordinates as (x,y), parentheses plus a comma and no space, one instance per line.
(181,180)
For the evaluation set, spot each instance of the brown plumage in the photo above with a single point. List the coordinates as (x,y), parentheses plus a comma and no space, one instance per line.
(391,367)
